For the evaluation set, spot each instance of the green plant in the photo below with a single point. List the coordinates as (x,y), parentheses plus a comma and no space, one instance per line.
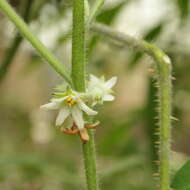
(77,79)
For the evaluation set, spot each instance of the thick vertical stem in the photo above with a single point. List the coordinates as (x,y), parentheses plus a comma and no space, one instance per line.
(89,153)
(165,92)
(78,77)
(78,45)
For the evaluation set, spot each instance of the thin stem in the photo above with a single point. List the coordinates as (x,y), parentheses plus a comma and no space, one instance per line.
(89,154)
(41,49)
(78,45)
(165,93)
(164,69)
(95,9)
(78,77)
(15,44)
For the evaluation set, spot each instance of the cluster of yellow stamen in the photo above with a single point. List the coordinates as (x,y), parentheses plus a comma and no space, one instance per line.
(70,101)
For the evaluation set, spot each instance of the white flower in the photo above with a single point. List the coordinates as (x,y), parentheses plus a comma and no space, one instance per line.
(101,90)
(71,108)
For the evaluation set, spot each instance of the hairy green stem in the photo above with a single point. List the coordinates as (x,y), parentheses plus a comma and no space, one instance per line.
(89,153)
(78,77)
(41,49)
(78,45)
(165,94)
(15,44)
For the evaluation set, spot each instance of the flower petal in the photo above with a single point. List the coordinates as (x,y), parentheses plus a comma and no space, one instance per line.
(86,109)
(108,97)
(68,123)
(59,100)
(94,79)
(63,114)
(50,106)
(111,82)
(77,117)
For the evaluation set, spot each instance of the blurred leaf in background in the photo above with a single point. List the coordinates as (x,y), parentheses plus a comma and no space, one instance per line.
(125,140)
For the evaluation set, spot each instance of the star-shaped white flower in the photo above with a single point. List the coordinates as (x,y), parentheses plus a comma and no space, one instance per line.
(71,107)
(101,90)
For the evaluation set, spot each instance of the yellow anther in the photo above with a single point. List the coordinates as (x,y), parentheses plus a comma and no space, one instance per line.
(70,100)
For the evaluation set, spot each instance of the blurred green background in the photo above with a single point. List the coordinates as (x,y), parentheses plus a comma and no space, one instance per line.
(35,156)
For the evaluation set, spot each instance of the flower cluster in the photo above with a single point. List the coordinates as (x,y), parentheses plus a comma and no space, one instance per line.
(74,106)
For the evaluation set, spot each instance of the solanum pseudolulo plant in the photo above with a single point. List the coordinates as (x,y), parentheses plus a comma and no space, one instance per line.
(76,101)
(73,105)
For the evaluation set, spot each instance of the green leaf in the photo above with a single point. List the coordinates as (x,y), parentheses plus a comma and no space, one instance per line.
(119,134)
(181,180)
(183,6)
(108,15)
